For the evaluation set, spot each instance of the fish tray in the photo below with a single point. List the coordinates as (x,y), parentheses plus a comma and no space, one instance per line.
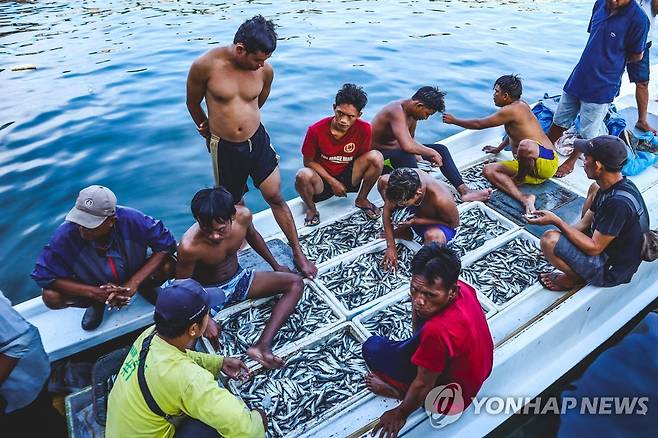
(359,281)
(473,177)
(315,384)
(504,272)
(346,233)
(478,225)
(392,317)
(243,323)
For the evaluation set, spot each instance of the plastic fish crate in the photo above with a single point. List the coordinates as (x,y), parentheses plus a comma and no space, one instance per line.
(479,271)
(327,234)
(243,311)
(466,233)
(401,281)
(346,329)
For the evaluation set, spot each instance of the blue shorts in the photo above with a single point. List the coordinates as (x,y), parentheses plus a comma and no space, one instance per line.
(231,291)
(590,268)
(638,72)
(591,116)
(449,232)
(391,360)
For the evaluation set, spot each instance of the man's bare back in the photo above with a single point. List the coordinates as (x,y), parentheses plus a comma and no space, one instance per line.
(213,263)
(233,94)
(383,137)
(523,124)
(438,204)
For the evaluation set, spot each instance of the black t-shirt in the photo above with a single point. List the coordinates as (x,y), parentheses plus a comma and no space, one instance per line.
(615,216)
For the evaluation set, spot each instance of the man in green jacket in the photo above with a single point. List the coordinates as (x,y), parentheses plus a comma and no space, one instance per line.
(178,381)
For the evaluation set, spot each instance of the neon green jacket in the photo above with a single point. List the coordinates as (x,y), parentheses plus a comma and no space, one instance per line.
(180,383)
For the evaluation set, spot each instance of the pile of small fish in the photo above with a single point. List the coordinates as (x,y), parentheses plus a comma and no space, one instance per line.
(241,330)
(363,279)
(392,322)
(313,381)
(400,215)
(474,178)
(475,228)
(340,237)
(504,273)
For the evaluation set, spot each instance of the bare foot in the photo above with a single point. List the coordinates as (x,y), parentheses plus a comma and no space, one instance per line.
(476,195)
(565,169)
(379,387)
(557,281)
(644,126)
(265,357)
(529,203)
(308,269)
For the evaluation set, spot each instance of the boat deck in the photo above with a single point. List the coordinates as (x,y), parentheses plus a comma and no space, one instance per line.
(538,334)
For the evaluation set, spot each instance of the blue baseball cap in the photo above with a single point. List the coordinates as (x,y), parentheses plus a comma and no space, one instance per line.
(182,301)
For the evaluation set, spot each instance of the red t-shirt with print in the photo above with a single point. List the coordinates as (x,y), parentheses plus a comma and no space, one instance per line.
(335,155)
(457,344)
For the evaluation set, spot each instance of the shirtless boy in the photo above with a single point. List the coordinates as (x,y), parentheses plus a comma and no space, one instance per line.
(535,159)
(393,131)
(435,212)
(235,82)
(208,254)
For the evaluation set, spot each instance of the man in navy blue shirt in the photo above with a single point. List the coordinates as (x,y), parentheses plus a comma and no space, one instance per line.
(603,248)
(98,256)
(618,32)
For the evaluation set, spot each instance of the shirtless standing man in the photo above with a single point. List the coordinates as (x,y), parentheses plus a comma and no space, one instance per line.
(435,211)
(208,254)
(393,131)
(236,81)
(535,159)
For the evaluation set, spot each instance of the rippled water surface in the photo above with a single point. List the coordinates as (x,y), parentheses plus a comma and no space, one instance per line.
(106,103)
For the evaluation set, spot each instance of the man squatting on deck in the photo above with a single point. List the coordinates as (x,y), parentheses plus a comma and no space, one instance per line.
(535,159)
(177,381)
(603,248)
(98,256)
(618,31)
(451,343)
(431,202)
(338,157)
(393,131)
(235,81)
(208,253)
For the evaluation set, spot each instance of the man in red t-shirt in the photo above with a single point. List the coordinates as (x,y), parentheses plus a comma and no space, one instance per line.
(451,342)
(338,158)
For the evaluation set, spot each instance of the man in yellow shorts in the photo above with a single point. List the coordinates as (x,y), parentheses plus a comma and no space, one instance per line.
(535,159)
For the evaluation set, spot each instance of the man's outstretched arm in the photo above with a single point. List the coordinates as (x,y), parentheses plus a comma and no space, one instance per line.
(497,119)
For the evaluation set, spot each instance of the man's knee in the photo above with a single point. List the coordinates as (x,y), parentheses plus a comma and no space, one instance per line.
(375,159)
(304,176)
(642,85)
(527,149)
(434,235)
(549,240)
(296,285)
(53,299)
(274,199)
(489,170)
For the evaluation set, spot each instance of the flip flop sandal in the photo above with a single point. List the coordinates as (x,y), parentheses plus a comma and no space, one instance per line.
(371,211)
(312,221)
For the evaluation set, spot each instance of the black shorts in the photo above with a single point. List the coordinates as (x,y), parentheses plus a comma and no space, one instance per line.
(237,161)
(345,178)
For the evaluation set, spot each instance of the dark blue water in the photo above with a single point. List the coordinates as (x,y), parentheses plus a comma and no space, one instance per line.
(107,101)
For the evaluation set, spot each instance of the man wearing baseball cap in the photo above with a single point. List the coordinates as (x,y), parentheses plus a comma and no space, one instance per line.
(99,257)
(603,248)
(164,389)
